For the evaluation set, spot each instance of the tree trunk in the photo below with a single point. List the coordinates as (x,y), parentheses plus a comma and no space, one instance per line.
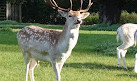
(2,9)
(110,11)
(13,12)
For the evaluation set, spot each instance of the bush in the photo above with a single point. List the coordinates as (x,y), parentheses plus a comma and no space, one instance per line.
(9,22)
(104,27)
(98,27)
(124,18)
(6,29)
(91,19)
(128,17)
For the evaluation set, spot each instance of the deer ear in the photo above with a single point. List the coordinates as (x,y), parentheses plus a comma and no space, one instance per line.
(62,13)
(84,15)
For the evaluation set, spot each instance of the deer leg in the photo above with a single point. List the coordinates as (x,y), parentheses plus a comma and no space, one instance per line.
(26,60)
(32,65)
(56,70)
(118,56)
(123,53)
(123,49)
(60,65)
(135,68)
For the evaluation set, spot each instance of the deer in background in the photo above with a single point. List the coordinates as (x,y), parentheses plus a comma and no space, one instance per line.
(51,45)
(127,33)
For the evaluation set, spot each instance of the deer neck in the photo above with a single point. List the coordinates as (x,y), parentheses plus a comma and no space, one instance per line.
(68,38)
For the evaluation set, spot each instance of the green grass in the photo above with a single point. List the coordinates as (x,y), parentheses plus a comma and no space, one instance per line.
(84,64)
(100,27)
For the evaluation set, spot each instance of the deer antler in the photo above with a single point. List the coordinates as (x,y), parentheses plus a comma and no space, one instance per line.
(70,4)
(55,6)
(81,5)
(85,10)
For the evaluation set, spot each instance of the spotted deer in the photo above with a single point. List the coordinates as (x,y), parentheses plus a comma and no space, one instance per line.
(51,45)
(127,33)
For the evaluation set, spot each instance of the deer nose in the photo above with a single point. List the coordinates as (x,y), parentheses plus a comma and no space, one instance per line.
(79,21)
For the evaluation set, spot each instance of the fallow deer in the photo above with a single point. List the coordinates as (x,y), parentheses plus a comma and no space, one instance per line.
(127,33)
(51,45)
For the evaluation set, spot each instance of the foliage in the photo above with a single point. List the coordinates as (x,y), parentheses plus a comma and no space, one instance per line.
(40,12)
(124,18)
(9,22)
(6,29)
(13,24)
(37,11)
(16,25)
(130,5)
(104,27)
(110,10)
(16,1)
(128,17)
(93,18)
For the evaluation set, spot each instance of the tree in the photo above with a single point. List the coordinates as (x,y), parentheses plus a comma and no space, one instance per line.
(110,11)
(130,6)
(16,1)
(14,10)
(38,11)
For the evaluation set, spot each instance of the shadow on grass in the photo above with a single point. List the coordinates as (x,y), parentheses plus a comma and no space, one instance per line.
(95,66)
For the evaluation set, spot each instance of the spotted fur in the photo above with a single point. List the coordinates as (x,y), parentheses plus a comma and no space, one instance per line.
(50,45)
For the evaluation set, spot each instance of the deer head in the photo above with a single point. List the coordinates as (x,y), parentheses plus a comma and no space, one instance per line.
(73,18)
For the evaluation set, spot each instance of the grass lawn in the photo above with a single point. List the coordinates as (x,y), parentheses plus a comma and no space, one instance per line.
(84,64)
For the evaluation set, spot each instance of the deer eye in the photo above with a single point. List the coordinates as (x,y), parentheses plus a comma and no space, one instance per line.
(70,15)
